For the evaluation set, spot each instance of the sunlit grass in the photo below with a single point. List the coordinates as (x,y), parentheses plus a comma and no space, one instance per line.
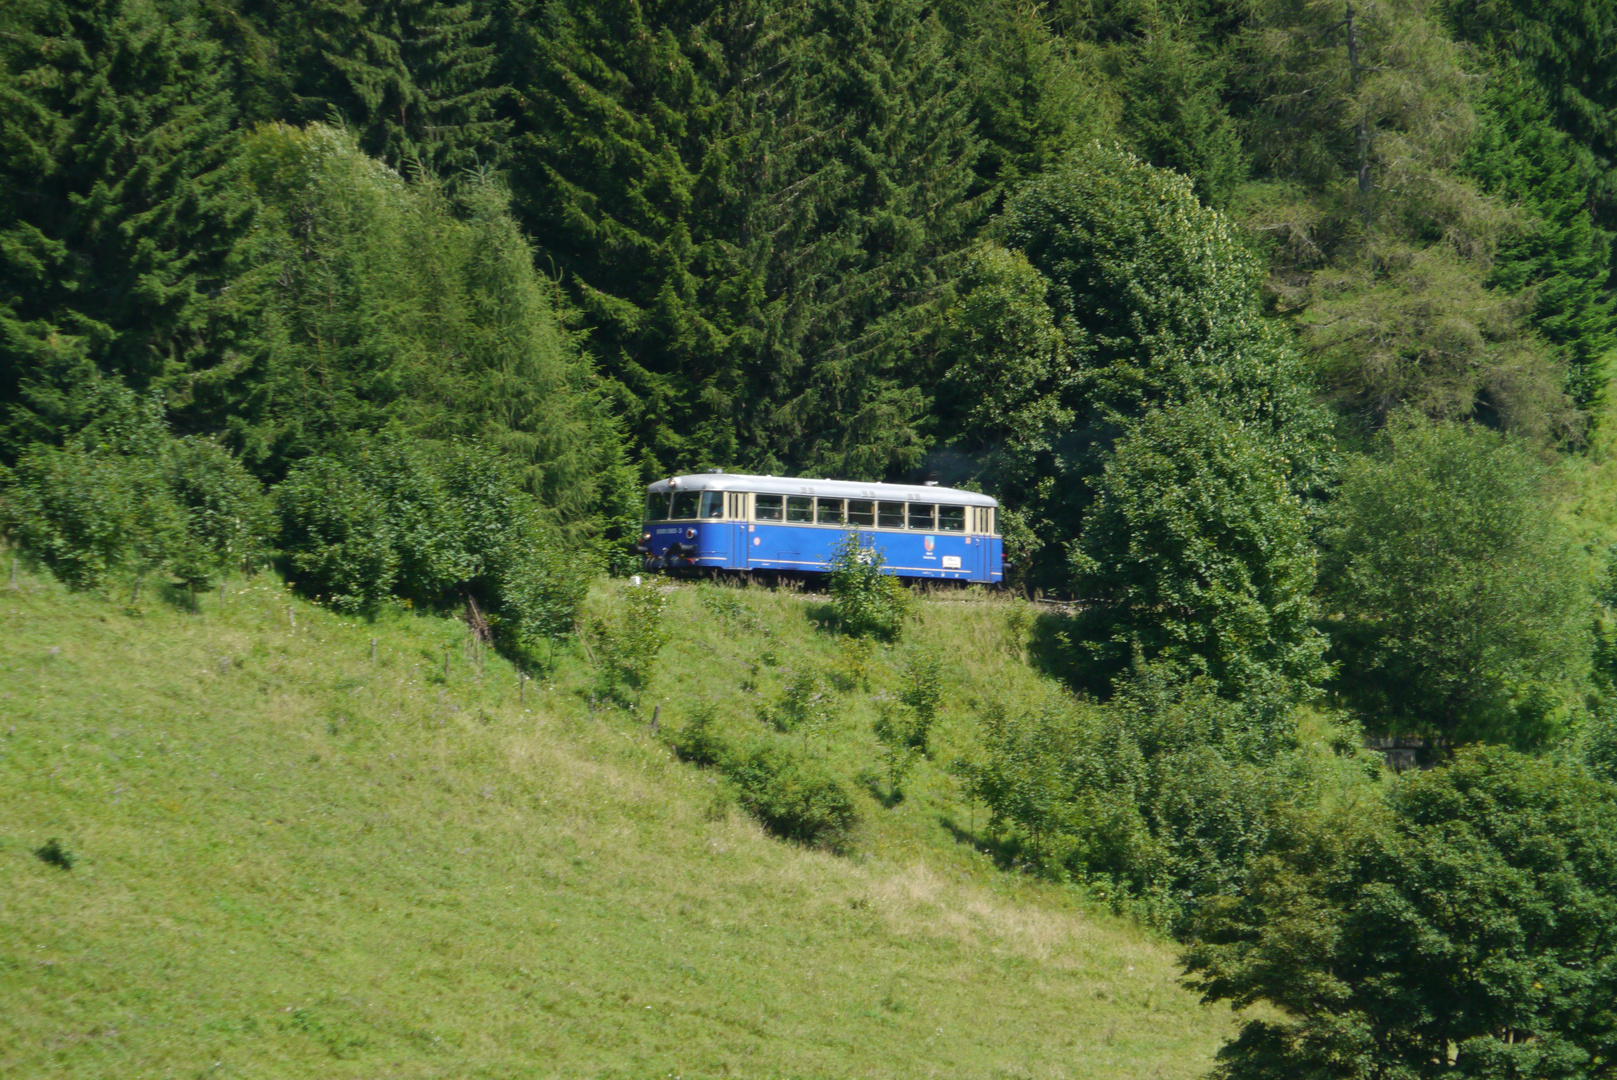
(294,862)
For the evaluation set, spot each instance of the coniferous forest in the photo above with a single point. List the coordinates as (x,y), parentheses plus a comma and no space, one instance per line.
(1282,330)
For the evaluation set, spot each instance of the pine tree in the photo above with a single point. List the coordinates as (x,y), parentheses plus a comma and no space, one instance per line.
(1560,254)
(897,227)
(412,77)
(1566,45)
(619,136)
(1174,117)
(119,228)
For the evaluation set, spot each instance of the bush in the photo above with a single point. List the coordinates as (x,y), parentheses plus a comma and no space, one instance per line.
(868,602)
(921,691)
(337,536)
(71,510)
(228,518)
(630,642)
(54,854)
(1169,793)
(1463,928)
(794,796)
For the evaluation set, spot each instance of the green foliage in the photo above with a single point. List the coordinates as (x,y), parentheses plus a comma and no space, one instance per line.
(629,642)
(1381,248)
(1173,115)
(1195,552)
(1462,929)
(1558,257)
(895,728)
(793,795)
(228,519)
(868,602)
(405,305)
(335,531)
(1168,794)
(125,497)
(1128,295)
(411,77)
(441,526)
(120,216)
(805,703)
(920,689)
(1562,43)
(76,511)
(1456,604)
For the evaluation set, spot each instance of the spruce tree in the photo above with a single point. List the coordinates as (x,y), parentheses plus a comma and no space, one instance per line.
(617,133)
(412,77)
(119,228)
(901,138)
(1559,254)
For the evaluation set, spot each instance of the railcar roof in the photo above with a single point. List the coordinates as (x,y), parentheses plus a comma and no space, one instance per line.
(831,489)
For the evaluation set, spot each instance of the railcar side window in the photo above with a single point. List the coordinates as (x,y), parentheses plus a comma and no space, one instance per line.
(989,520)
(828,511)
(921,515)
(951,519)
(712,504)
(685,504)
(657,508)
(890,515)
(861,512)
(766,507)
(800,508)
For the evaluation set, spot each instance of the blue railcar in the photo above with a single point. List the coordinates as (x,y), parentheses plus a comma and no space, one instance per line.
(726,521)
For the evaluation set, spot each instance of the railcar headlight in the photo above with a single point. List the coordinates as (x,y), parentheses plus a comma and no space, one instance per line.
(644,537)
(690,534)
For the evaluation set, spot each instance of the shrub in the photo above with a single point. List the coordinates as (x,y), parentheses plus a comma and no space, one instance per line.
(1462,928)
(921,691)
(1169,793)
(336,533)
(630,642)
(868,602)
(85,514)
(805,703)
(228,518)
(794,796)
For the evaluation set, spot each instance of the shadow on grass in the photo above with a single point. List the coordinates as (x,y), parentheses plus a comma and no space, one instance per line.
(1056,648)
(888,797)
(1008,853)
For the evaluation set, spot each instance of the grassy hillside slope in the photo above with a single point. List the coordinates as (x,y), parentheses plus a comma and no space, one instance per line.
(292,861)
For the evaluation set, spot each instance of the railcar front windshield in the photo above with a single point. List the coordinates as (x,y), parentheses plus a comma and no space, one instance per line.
(656,507)
(712,504)
(685,505)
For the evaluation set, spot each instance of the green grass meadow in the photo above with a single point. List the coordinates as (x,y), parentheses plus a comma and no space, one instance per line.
(295,861)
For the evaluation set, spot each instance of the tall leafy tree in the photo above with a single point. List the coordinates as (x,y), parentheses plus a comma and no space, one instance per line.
(1456,603)
(402,306)
(1174,114)
(1196,553)
(120,227)
(901,138)
(620,134)
(1156,301)
(1462,929)
(1567,45)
